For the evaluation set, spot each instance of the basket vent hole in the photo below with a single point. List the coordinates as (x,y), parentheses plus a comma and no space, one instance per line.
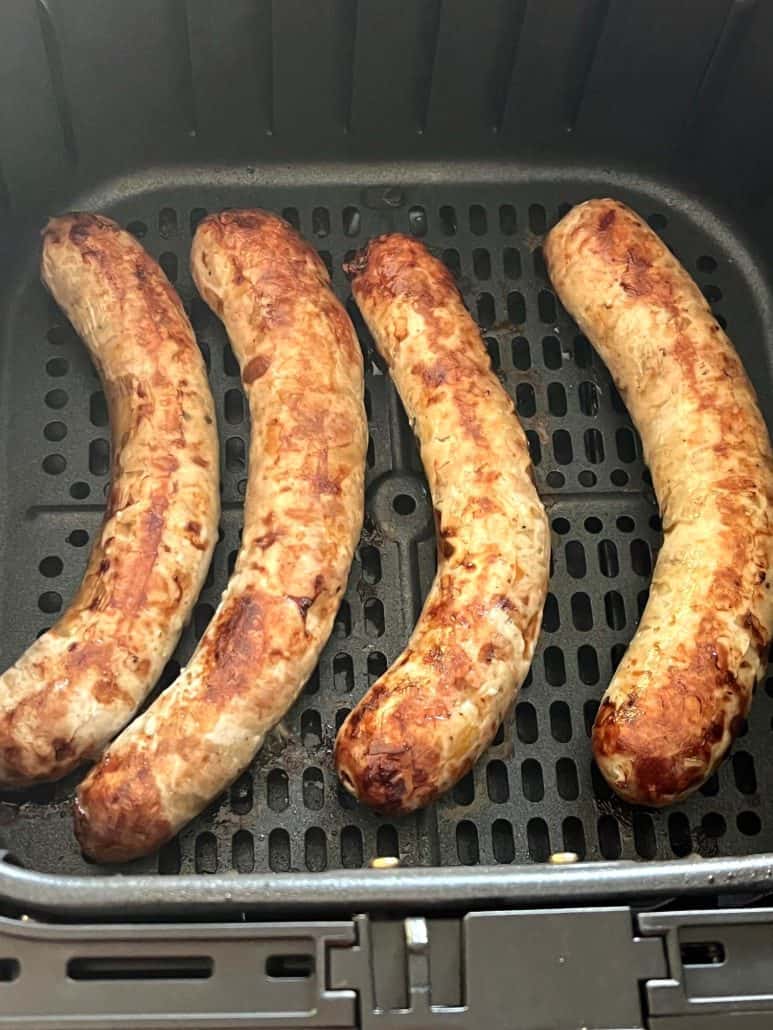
(594,446)
(241,795)
(351,847)
(377,666)
(588,665)
(51,566)
(486,311)
(609,837)
(311,728)
(581,612)
(535,447)
(167,223)
(78,538)
(749,823)
(590,708)
(502,842)
(467,848)
(615,610)
(560,722)
(315,848)
(49,602)
(54,464)
(342,626)
(583,353)
(562,447)
(452,261)
(478,220)
(374,617)
(206,853)
(516,308)
(524,400)
(464,791)
(626,445)
(589,398)
(555,669)
(387,842)
(202,616)
(404,504)
(481,264)
(234,407)
(448,220)
(343,673)
(679,836)
(197,214)
(511,263)
(277,790)
(417,221)
(351,221)
(744,773)
(168,262)
(55,431)
(497,783)
(644,839)
(99,457)
(521,354)
(537,219)
(550,618)
(235,460)
(508,221)
(707,264)
(279,850)
(532,782)
(98,414)
(546,306)
(313,789)
(556,399)
(641,558)
(576,565)
(574,836)
(551,355)
(526,722)
(609,564)
(702,953)
(538,840)
(57,367)
(243,852)
(169,860)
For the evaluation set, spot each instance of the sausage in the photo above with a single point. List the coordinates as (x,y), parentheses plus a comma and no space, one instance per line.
(80,682)
(302,371)
(424,723)
(685,684)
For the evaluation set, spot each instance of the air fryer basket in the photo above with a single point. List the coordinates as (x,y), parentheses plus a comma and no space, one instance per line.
(461,139)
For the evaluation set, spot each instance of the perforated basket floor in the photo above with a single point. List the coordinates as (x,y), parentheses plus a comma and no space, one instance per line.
(535,791)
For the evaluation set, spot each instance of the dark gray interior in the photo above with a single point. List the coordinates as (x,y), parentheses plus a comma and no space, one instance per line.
(472,126)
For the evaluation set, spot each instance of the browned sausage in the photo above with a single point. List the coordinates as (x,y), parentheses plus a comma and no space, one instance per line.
(302,371)
(76,686)
(685,684)
(424,723)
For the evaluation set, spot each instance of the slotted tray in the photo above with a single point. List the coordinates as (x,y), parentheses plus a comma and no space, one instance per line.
(536,790)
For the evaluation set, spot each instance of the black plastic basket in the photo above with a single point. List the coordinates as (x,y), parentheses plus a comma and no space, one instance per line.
(472,126)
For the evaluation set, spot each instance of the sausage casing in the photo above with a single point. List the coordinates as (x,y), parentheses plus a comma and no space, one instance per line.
(685,684)
(79,683)
(424,723)
(302,370)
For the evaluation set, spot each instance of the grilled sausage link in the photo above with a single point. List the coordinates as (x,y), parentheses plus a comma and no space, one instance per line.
(302,370)
(79,683)
(423,724)
(685,684)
